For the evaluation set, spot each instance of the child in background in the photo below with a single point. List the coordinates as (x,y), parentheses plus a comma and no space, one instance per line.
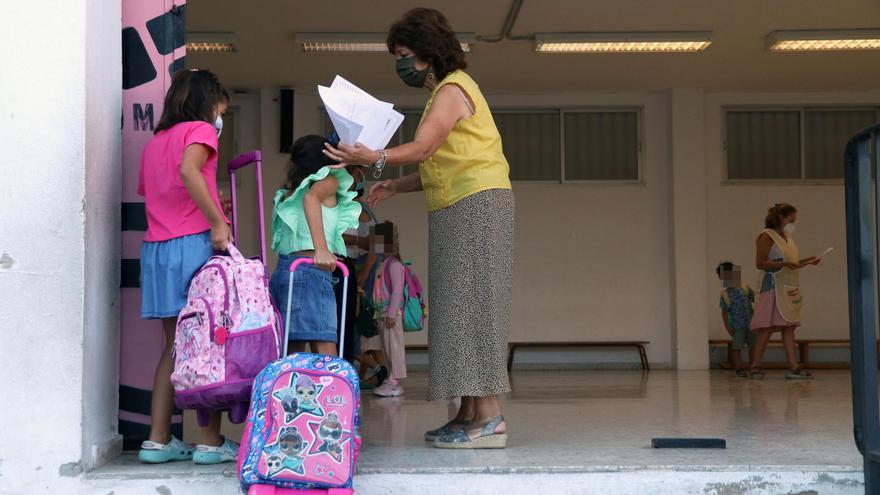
(367,349)
(737,307)
(185,224)
(388,300)
(312,211)
(373,370)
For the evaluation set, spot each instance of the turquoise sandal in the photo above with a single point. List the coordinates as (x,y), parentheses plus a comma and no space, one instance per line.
(157,453)
(487,439)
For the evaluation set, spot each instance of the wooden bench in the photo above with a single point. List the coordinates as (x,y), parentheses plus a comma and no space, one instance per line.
(803,346)
(513,346)
(638,345)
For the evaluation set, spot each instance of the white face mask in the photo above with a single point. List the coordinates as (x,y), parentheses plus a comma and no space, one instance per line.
(218,124)
(788,229)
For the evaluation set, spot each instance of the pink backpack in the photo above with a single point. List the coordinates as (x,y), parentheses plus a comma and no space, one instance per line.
(413,307)
(226,334)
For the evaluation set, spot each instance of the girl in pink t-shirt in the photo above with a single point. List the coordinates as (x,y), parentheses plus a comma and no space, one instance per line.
(185,224)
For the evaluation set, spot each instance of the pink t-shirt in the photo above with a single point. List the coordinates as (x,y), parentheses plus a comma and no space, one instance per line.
(171,212)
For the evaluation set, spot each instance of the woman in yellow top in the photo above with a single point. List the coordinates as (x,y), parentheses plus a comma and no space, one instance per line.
(465,177)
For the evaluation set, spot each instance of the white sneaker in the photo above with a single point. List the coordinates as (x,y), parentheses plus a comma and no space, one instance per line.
(389,390)
(207,454)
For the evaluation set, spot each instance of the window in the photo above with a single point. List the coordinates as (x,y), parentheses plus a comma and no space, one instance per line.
(602,146)
(531,144)
(790,144)
(598,145)
(763,145)
(827,132)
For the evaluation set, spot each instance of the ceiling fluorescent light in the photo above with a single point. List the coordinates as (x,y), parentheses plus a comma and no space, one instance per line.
(210,42)
(671,42)
(359,42)
(830,40)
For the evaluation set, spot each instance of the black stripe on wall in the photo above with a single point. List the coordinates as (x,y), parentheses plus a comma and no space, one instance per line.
(137,400)
(131,274)
(134,217)
(133,434)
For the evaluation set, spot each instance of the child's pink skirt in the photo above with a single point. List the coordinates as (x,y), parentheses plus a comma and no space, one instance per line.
(767,315)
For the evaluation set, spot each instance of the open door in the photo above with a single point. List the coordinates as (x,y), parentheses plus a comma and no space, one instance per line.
(153,48)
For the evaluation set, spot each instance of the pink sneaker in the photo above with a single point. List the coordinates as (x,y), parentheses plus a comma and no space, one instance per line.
(389,389)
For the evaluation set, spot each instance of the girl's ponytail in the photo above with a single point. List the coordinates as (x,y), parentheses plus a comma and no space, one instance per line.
(306,158)
(778,210)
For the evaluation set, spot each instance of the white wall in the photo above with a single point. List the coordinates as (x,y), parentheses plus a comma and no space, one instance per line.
(103,178)
(688,219)
(565,286)
(246,135)
(609,262)
(59,236)
(736,215)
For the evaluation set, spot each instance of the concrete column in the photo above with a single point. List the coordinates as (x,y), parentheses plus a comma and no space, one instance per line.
(687,147)
(59,242)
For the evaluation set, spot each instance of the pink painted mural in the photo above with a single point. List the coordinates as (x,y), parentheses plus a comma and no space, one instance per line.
(153,48)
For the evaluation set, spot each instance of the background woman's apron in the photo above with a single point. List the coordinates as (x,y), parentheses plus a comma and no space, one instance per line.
(789,300)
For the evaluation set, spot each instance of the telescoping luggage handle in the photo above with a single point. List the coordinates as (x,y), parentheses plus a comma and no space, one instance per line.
(241,161)
(345,275)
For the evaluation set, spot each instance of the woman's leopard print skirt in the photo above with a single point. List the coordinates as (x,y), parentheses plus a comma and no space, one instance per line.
(471,282)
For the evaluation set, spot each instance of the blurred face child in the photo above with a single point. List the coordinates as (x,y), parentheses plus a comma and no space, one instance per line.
(383,239)
(731,275)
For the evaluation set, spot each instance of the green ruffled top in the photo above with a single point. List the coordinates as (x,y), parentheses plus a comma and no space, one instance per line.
(290,230)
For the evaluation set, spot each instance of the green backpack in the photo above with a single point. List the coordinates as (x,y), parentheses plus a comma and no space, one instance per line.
(415,313)
(365,321)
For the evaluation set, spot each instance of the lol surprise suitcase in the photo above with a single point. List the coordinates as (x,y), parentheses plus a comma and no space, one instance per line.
(301,436)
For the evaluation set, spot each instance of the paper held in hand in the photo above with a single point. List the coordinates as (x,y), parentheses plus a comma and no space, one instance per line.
(359,117)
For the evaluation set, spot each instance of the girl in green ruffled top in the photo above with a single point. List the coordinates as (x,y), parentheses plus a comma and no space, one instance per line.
(311,212)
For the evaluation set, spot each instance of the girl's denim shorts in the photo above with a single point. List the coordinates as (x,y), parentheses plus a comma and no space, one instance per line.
(313,315)
(167,268)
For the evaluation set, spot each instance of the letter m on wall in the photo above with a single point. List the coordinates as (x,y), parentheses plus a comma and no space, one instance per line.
(143,117)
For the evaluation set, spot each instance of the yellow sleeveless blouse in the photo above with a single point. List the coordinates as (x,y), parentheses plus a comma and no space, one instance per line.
(471,159)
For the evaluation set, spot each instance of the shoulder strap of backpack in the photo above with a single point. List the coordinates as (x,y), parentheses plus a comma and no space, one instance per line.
(371,277)
(725,296)
(750,294)
(370,212)
(386,272)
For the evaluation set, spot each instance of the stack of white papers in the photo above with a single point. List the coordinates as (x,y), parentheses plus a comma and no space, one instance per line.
(359,117)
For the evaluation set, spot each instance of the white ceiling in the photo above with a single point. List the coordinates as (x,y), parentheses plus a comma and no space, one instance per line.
(267,55)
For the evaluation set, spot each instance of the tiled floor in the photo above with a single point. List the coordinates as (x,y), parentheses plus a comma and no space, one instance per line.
(564,421)
(595,427)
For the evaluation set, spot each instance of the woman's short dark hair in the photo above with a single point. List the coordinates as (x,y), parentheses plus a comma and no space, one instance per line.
(306,158)
(192,97)
(775,212)
(430,37)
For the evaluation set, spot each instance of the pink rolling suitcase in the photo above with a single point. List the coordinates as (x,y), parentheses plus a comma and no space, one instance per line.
(301,436)
(229,330)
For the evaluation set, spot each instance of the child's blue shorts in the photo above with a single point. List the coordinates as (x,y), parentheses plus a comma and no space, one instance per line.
(167,268)
(313,315)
